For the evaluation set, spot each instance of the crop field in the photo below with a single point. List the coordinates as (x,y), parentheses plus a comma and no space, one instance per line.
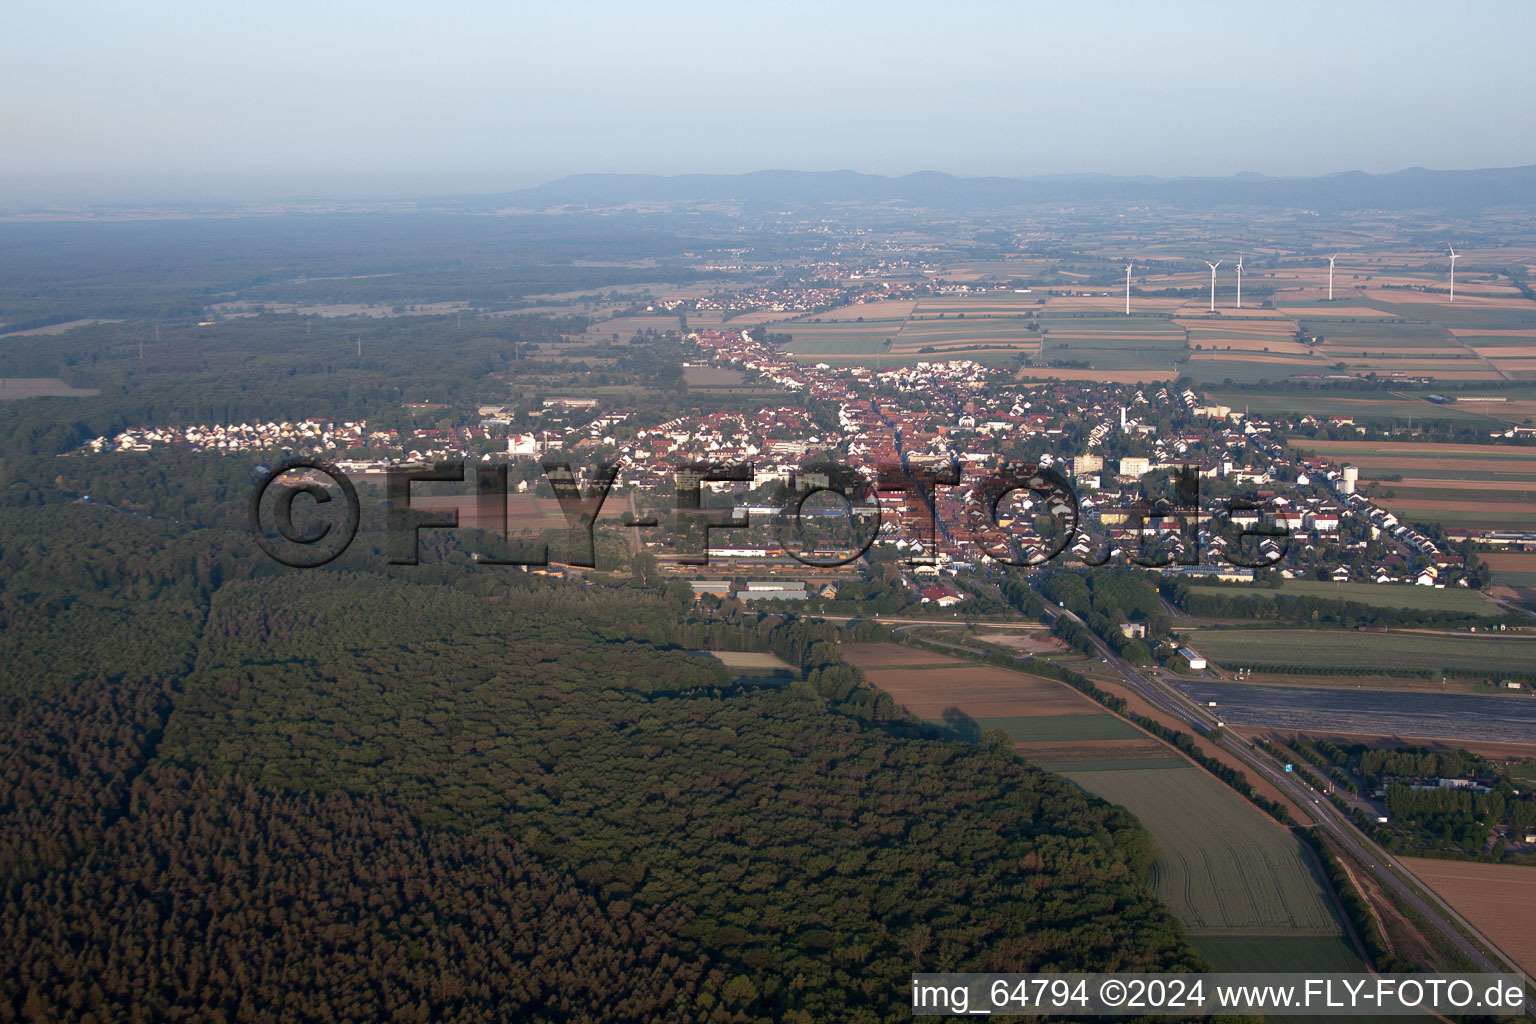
(759,662)
(1445,483)
(899,339)
(982,692)
(1126,343)
(1276,336)
(627,327)
(1468,313)
(1380,454)
(39,387)
(871,656)
(699,376)
(887,309)
(1246,368)
(1395,595)
(1314,954)
(972,332)
(1102,376)
(837,338)
(1371,335)
(1500,899)
(1089,727)
(1484,515)
(1364,406)
(1512,568)
(1346,649)
(1223,867)
(1098,755)
(987,304)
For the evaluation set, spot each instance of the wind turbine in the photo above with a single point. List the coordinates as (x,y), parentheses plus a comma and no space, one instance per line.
(1330,275)
(1213,267)
(1128,267)
(1239,281)
(1454,254)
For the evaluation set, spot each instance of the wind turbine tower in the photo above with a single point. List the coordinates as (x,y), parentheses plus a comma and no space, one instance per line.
(1330,275)
(1239,280)
(1454,254)
(1128,267)
(1213,267)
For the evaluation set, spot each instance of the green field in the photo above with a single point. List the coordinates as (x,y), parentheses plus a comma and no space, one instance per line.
(1363,405)
(838,337)
(1222,866)
(1447,315)
(1092,726)
(1350,650)
(1471,518)
(1385,595)
(1112,343)
(1390,337)
(1243,371)
(1299,955)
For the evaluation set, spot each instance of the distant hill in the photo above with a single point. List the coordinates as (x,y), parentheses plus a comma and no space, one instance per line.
(1412,189)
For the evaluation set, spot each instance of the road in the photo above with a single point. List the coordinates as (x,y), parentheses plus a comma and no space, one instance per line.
(1382,866)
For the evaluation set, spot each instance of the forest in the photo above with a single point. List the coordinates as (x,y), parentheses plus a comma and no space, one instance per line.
(246,793)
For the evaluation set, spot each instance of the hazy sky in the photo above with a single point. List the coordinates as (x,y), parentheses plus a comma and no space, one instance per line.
(164,99)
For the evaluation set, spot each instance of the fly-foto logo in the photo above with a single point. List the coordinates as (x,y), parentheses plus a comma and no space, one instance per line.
(845,520)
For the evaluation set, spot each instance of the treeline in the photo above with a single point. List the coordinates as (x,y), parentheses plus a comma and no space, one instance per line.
(1315,611)
(1356,908)
(1105,600)
(1416,763)
(1423,816)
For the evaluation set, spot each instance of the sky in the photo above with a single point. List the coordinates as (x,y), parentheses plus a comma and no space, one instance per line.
(164,100)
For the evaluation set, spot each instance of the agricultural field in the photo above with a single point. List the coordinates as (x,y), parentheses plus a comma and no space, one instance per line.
(1100,376)
(1339,704)
(705,376)
(983,692)
(40,387)
(1346,649)
(627,327)
(1248,367)
(1276,336)
(1512,568)
(1111,343)
(872,656)
(1394,595)
(1363,405)
(1476,486)
(896,341)
(1223,867)
(885,309)
(754,666)
(1500,899)
(1285,954)
(997,303)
